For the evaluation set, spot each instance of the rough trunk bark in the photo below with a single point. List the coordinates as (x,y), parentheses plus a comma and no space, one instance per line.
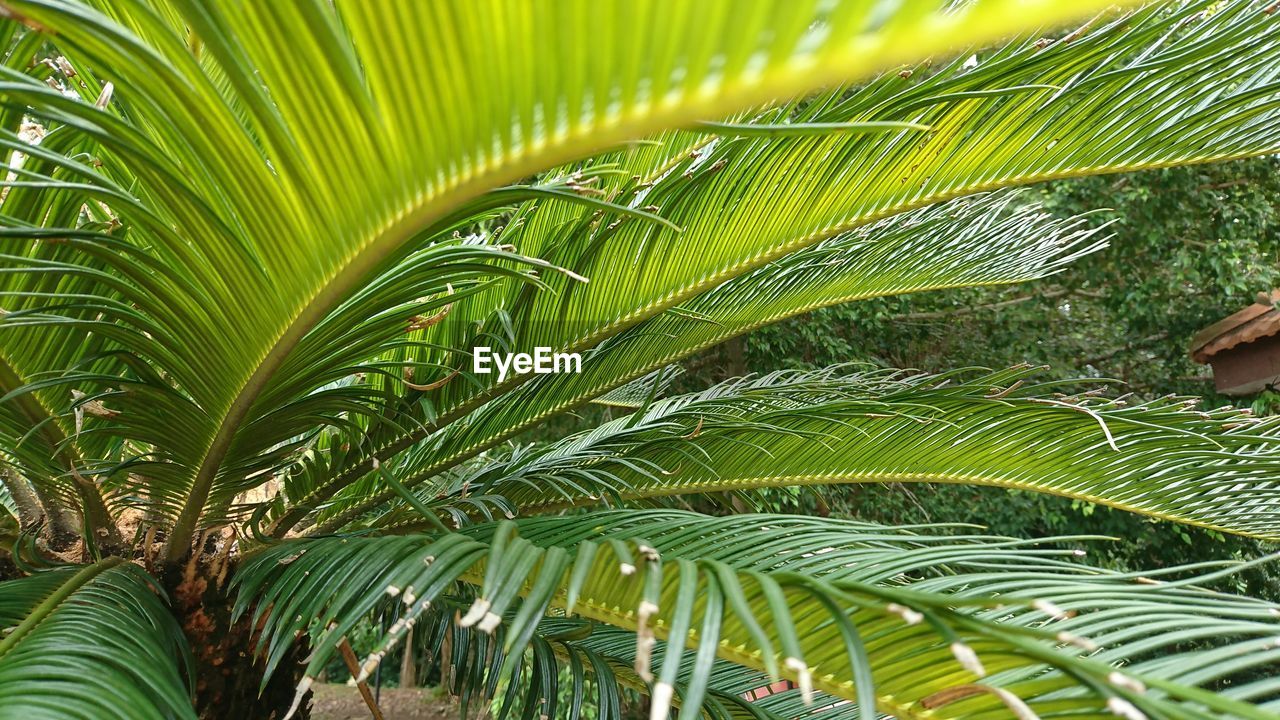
(36,506)
(29,511)
(736,350)
(228,674)
(8,571)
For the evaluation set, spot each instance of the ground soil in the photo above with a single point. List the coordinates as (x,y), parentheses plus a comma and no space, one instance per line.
(339,702)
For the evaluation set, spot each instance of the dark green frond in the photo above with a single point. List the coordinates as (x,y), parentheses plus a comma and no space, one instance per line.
(809,600)
(90,642)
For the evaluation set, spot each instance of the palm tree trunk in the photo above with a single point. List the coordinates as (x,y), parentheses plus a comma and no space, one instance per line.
(29,511)
(35,506)
(227,670)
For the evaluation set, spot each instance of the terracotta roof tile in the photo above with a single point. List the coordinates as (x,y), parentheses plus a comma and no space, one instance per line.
(1252,323)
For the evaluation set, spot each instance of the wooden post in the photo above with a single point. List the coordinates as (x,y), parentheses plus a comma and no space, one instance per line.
(353,665)
(408,666)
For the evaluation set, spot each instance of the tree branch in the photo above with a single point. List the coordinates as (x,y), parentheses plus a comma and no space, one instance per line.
(970,310)
(1135,345)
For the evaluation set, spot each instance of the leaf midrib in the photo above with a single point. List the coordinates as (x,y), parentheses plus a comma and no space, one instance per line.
(758,482)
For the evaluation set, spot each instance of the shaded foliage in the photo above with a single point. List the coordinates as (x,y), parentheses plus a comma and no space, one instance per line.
(1190,246)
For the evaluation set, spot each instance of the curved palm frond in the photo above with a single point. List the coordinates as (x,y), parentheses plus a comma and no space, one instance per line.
(597,664)
(216,126)
(90,642)
(233,257)
(1162,458)
(732,691)
(985,240)
(931,617)
(45,441)
(1207,73)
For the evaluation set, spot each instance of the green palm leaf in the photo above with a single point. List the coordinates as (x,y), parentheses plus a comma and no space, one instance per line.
(933,616)
(986,240)
(1162,458)
(1027,112)
(596,661)
(259,241)
(90,642)
(221,127)
(46,439)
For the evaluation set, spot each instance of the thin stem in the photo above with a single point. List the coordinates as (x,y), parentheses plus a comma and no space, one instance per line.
(353,666)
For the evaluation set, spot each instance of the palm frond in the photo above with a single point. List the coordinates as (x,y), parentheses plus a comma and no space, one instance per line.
(573,663)
(1162,458)
(226,258)
(985,240)
(41,418)
(732,691)
(931,617)
(90,642)
(638,392)
(214,126)
(1027,112)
